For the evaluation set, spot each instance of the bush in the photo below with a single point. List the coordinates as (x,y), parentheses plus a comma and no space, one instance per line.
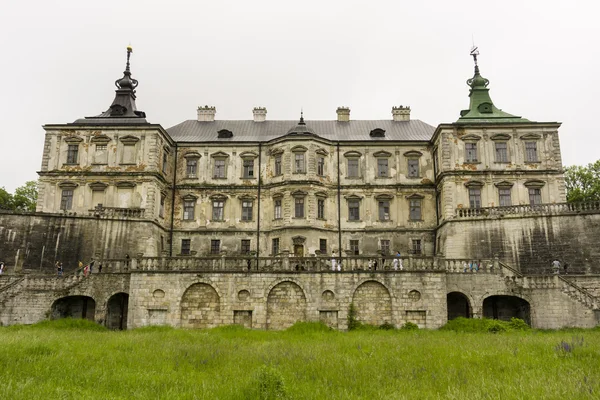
(268,384)
(70,323)
(495,326)
(386,326)
(410,326)
(353,323)
(482,325)
(517,324)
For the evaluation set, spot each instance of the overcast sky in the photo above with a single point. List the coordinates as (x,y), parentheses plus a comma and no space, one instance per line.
(60,60)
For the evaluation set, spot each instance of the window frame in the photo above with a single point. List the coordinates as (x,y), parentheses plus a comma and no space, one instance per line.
(72,154)
(354,246)
(248,168)
(416,246)
(381,206)
(413,167)
(504,193)
(277,208)
(219,208)
(323,246)
(471,152)
(320,208)
(189,171)
(383,167)
(189,203)
(501,154)
(66,198)
(215,246)
(299,204)
(299,162)
(245,246)
(384,246)
(320,165)
(353,204)
(531,154)
(278,171)
(415,208)
(247,210)
(275,247)
(186,247)
(535,198)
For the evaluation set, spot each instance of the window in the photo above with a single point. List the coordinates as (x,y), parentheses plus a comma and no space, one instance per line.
(245,246)
(413,168)
(535,196)
(185,246)
(471,152)
(385,247)
(382,167)
(323,246)
(299,166)
(275,246)
(321,208)
(191,167)
(188,209)
(248,168)
(321,166)
(278,165)
(101,154)
(299,207)
(218,213)
(164,163)
(501,152)
(353,210)
(215,246)
(72,153)
(277,209)
(415,209)
(66,200)
(353,168)
(220,169)
(246,210)
(531,152)
(384,210)
(416,246)
(354,247)
(474,197)
(161,209)
(504,196)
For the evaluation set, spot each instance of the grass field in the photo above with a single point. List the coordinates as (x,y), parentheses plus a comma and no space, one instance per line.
(74,359)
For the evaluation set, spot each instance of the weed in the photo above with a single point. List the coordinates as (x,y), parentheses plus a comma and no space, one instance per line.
(353,322)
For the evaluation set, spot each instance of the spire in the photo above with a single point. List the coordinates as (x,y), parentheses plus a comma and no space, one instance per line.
(481,108)
(301,128)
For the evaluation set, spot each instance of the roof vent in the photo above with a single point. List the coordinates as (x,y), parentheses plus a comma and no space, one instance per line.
(377,132)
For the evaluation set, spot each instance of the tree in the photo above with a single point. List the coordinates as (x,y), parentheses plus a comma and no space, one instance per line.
(25,197)
(6,200)
(583,183)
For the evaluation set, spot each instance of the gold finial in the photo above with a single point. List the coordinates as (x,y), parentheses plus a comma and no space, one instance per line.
(129,49)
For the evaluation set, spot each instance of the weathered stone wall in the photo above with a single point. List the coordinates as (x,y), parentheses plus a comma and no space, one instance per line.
(530,243)
(35,241)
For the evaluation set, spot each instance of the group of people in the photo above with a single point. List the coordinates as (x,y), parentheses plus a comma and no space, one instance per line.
(336,264)
(86,269)
(556,266)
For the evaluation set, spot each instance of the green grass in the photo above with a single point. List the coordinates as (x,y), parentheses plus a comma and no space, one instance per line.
(70,359)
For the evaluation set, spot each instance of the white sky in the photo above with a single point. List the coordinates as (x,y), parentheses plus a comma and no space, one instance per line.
(60,60)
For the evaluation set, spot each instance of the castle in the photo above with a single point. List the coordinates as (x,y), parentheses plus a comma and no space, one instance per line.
(214,222)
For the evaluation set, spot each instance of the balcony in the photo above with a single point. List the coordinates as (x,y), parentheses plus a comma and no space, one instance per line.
(592,207)
(117,212)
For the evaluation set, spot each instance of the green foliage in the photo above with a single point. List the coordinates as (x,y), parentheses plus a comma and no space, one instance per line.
(268,385)
(353,323)
(386,326)
(308,327)
(68,323)
(477,325)
(517,324)
(583,183)
(25,197)
(6,200)
(410,326)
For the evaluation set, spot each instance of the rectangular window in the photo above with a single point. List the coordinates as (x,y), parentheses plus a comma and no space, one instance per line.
(101,155)
(277,209)
(246,210)
(413,167)
(215,246)
(299,163)
(220,169)
(353,210)
(277,165)
(504,195)
(531,152)
(474,198)
(161,209)
(471,152)
(385,247)
(185,246)
(382,167)
(191,167)
(248,168)
(275,246)
(384,210)
(416,246)
(165,161)
(501,152)
(188,210)
(299,207)
(72,153)
(321,208)
(66,200)
(323,246)
(354,247)
(353,168)
(245,246)
(321,166)
(415,209)
(535,196)
(218,213)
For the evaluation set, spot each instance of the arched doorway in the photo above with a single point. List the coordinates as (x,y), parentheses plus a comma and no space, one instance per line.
(373,303)
(506,307)
(286,305)
(200,307)
(83,307)
(458,306)
(116,311)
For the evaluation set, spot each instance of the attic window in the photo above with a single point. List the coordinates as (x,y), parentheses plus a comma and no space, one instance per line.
(224,134)
(377,132)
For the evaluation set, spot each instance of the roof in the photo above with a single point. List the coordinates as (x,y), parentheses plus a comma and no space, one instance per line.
(250,131)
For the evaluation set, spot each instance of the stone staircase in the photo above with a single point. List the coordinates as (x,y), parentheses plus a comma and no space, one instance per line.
(33,282)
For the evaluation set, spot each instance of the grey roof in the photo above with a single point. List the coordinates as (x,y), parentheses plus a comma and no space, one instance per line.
(99,120)
(250,131)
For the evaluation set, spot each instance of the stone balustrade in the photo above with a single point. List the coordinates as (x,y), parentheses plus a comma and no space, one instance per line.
(536,209)
(117,212)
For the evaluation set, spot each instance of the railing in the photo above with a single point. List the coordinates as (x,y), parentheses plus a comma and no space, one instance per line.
(579,293)
(118,212)
(535,209)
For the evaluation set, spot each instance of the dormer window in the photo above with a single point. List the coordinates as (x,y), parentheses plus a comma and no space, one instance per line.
(377,132)
(224,134)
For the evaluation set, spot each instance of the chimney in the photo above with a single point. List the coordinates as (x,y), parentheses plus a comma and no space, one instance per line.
(206,113)
(401,113)
(343,114)
(260,114)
